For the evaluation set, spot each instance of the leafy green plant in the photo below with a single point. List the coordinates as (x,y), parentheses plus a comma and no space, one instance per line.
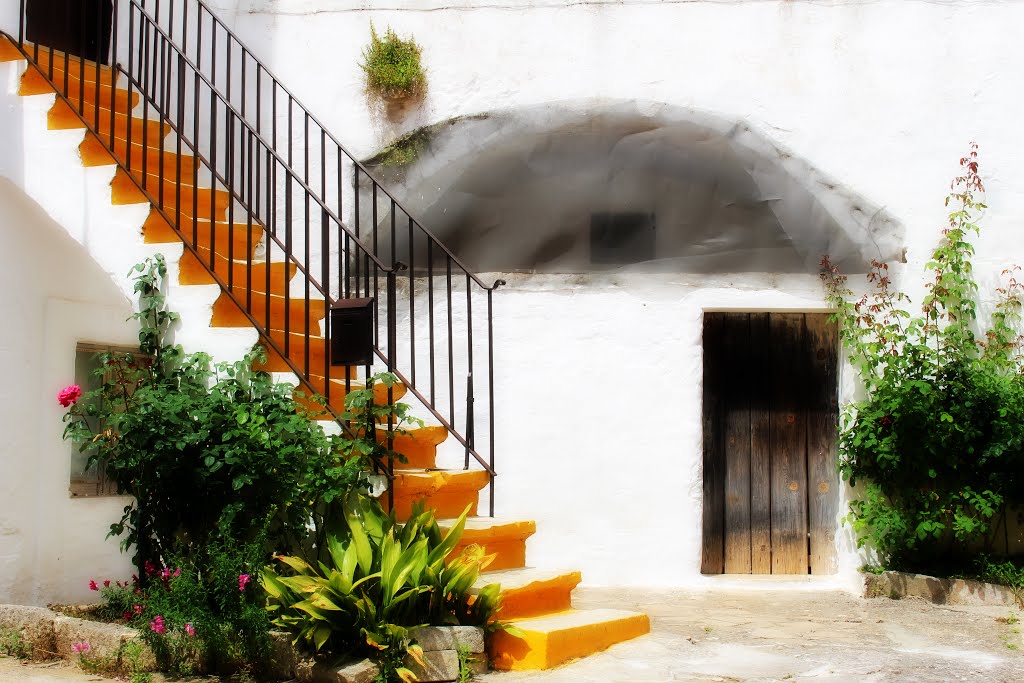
(204,449)
(936,450)
(132,663)
(12,644)
(382,579)
(466,661)
(392,66)
(1007,573)
(197,618)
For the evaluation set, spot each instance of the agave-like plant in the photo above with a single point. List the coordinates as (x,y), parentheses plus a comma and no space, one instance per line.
(382,580)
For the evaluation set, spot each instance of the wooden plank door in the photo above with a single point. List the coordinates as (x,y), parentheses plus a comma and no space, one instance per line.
(770,414)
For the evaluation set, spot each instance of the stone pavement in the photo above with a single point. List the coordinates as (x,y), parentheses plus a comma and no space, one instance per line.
(801,635)
(766,635)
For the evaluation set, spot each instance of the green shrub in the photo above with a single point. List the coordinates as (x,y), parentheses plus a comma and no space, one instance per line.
(381,580)
(936,450)
(207,453)
(392,66)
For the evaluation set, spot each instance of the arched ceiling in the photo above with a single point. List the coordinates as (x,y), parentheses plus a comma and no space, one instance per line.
(589,187)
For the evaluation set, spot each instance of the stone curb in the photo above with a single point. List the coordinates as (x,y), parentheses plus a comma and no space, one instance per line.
(49,635)
(898,585)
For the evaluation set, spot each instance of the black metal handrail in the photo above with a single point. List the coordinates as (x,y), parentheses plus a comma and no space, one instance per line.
(253,170)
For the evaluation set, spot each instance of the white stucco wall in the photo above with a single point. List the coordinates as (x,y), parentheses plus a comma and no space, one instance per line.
(50,543)
(881,95)
(64,273)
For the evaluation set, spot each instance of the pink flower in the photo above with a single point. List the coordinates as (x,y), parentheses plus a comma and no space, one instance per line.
(69,395)
(157,625)
(127,616)
(79,648)
(176,574)
(190,630)
(138,609)
(93,586)
(106,583)
(243,579)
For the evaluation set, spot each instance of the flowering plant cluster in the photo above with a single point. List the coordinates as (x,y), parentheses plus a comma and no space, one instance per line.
(211,614)
(936,450)
(203,450)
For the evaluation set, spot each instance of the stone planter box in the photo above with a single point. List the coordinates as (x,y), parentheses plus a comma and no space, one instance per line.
(440,645)
(898,585)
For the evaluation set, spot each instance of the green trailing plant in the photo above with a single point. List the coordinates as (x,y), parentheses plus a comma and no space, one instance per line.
(12,644)
(392,66)
(374,423)
(203,449)
(936,449)
(382,579)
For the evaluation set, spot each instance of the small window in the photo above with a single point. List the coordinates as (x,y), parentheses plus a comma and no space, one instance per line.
(621,238)
(91,481)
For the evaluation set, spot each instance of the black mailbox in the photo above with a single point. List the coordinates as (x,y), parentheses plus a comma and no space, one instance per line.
(352,332)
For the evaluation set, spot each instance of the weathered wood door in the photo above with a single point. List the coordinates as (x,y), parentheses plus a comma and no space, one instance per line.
(770,418)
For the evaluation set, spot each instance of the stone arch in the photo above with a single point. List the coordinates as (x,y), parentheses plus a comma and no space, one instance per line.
(559,187)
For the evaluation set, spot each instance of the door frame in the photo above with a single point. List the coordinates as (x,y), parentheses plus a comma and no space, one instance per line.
(800,481)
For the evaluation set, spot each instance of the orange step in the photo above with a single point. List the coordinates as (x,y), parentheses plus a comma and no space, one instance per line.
(158,231)
(297,351)
(529,592)
(548,641)
(337,397)
(446,492)
(168,175)
(35,83)
(419,446)
(504,538)
(9,51)
(226,313)
(63,117)
(94,153)
(44,55)
(123,190)
(192,272)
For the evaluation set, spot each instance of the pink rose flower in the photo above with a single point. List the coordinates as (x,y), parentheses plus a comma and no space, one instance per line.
(69,395)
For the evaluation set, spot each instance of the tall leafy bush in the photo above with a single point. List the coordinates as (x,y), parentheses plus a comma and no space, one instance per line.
(207,452)
(936,449)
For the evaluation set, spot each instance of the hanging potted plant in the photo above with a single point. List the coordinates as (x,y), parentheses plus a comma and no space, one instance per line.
(395,77)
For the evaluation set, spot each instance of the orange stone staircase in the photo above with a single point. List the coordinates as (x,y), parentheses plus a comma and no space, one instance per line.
(537,602)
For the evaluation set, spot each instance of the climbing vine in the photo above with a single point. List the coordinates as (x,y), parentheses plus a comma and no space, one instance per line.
(936,449)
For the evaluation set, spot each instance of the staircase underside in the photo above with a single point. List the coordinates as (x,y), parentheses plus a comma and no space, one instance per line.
(537,601)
